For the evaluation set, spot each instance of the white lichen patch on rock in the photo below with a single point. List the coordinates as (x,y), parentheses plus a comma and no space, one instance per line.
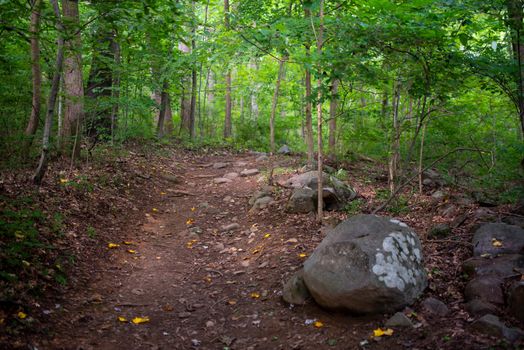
(398,264)
(398,222)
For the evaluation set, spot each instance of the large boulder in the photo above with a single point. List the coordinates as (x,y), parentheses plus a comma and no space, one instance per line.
(302,201)
(498,238)
(335,192)
(367,264)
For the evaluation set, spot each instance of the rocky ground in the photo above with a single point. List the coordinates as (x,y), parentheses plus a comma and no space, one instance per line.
(182,260)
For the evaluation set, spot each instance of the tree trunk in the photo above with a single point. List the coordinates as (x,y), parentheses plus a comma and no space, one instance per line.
(274,105)
(333,118)
(193,102)
(164,99)
(73,79)
(395,143)
(116,89)
(227,117)
(34,30)
(42,165)
(320,42)
(514,22)
(421,158)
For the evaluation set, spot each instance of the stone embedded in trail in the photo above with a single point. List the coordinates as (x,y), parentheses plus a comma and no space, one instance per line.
(219,165)
(367,264)
(439,231)
(284,150)
(230,227)
(231,176)
(511,239)
(262,158)
(295,291)
(262,203)
(516,300)
(240,164)
(487,288)
(477,307)
(221,180)
(502,266)
(399,319)
(435,307)
(491,325)
(249,172)
(301,201)
(264,192)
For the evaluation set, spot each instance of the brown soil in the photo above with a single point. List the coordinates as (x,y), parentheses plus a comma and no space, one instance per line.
(222,290)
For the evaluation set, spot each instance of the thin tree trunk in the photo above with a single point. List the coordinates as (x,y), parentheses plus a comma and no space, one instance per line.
(164,98)
(420,159)
(227,117)
(193,102)
(34,30)
(274,106)
(116,89)
(333,118)
(42,165)
(320,42)
(395,143)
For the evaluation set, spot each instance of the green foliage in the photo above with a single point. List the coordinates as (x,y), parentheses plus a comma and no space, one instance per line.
(354,207)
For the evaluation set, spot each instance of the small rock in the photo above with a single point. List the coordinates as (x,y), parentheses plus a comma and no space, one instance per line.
(249,172)
(477,307)
(438,195)
(439,231)
(171,178)
(219,165)
(295,290)
(227,199)
(210,324)
(221,180)
(264,264)
(399,320)
(244,263)
(262,158)
(230,227)
(184,314)
(219,246)
(284,150)
(265,192)
(195,230)
(195,342)
(262,203)
(487,288)
(240,164)
(490,325)
(231,176)
(301,201)
(448,210)
(435,307)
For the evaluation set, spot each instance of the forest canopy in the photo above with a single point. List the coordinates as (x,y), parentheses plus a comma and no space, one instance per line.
(411,84)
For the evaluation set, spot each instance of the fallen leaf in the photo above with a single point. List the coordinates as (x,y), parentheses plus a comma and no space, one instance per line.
(163,193)
(302,255)
(19,235)
(122,319)
(21,315)
(131,251)
(232,302)
(256,251)
(379,332)
(193,209)
(63,181)
(190,221)
(255,295)
(128,243)
(139,320)
(113,245)
(267,235)
(318,324)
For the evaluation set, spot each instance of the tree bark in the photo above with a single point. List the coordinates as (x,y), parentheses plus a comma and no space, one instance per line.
(309,118)
(320,42)
(395,141)
(227,117)
(42,165)
(73,79)
(34,30)
(164,100)
(333,118)
(274,105)
(514,22)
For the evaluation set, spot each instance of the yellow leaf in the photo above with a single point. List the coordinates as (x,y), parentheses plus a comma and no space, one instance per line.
(302,255)
(131,251)
(256,251)
(255,295)
(2,321)
(155,210)
(63,181)
(113,245)
(163,193)
(128,243)
(267,235)
(139,320)
(379,332)
(19,235)
(21,315)
(496,243)
(26,263)
(122,319)
(190,221)
(232,302)
(193,209)
(318,324)
(207,279)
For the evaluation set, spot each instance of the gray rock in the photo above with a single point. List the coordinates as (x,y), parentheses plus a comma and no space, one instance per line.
(448,210)
(171,178)
(231,176)
(230,227)
(516,300)
(295,291)
(439,231)
(427,182)
(262,203)
(438,195)
(484,215)
(264,192)
(249,172)
(511,237)
(491,325)
(502,266)
(486,288)
(240,164)
(219,165)
(284,150)
(399,320)
(367,264)
(435,307)
(434,176)
(514,220)
(221,180)
(262,158)
(477,307)
(302,201)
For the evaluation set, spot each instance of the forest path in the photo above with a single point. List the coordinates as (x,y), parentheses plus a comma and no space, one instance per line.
(208,289)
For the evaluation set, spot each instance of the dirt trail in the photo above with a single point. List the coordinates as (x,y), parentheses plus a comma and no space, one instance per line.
(210,289)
